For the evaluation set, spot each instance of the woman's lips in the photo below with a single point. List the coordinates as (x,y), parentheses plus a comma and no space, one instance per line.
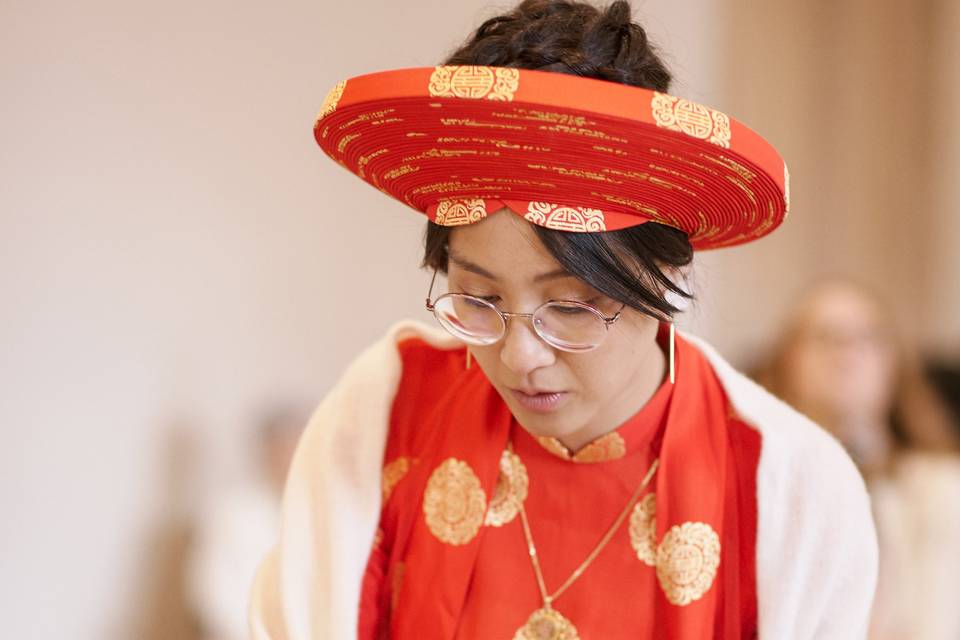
(541,401)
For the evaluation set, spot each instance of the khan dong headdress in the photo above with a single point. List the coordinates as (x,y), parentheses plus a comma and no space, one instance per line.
(565,152)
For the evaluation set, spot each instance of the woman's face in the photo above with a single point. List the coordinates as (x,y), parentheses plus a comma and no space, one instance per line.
(574,397)
(841,365)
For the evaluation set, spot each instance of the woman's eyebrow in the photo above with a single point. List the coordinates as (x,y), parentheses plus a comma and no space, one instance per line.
(472,267)
(466,265)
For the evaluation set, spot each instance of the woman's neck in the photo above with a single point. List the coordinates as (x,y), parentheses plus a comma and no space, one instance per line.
(630,401)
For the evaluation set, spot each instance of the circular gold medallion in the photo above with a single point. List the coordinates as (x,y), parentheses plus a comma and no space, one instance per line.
(547,624)
(643,529)
(510,492)
(454,502)
(687,561)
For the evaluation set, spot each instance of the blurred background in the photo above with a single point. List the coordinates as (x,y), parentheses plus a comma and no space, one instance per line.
(183,274)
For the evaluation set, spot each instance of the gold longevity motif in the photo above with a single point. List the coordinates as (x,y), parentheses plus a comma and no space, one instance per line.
(454,503)
(609,447)
(452,213)
(333,97)
(510,492)
(687,561)
(393,472)
(547,624)
(696,120)
(554,216)
(474,82)
(643,530)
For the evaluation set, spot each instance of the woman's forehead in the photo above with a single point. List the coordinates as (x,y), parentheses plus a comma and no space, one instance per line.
(504,245)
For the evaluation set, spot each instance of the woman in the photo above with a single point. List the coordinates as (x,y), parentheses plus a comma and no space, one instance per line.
(576,471)
(841,361)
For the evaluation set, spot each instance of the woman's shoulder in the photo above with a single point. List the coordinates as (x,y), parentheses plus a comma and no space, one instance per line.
(795,451)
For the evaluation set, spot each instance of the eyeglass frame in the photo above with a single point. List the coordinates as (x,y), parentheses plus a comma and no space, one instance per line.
(506,315)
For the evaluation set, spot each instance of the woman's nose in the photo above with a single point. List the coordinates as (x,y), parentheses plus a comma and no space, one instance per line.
(522,350)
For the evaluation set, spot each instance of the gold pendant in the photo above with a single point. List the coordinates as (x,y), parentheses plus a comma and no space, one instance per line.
(547,624)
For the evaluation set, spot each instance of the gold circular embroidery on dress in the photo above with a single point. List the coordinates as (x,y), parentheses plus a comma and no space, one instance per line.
(452,213)
(687,561)
(510,492)
(547,624)
(643,530)
(333,97)
(454,502)
(475,82)
(563,218)
(393,472)
(695,120)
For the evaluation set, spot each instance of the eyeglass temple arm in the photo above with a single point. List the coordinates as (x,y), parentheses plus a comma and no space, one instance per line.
(429,304)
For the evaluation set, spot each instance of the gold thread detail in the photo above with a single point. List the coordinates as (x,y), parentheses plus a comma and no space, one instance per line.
(695,120)
(609,447)
(510,492)
(454,503)
(643,530)
(561,218)
(453,213)
(687,561)
(393,472)
(786,190)
(474,82)
(333,98)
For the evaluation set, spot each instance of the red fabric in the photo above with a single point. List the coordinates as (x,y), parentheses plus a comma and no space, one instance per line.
(458,143)
(419,587)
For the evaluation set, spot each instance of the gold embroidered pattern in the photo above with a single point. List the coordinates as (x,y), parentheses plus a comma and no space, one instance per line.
(475,82)
(333,97)
(393,472)
(554,216)
(643,530)
(547,624)
(555,447)
(786,190)
(510,492)
(454,503)
(687,562)
(608,447)
(452,213)
(696,120)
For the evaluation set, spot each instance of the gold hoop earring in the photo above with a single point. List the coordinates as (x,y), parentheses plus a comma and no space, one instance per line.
(673,365)
(469,358)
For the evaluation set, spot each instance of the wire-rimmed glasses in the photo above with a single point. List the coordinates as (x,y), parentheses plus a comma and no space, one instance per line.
(567,325)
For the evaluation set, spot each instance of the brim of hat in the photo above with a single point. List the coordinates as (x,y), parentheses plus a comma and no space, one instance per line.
(568,153)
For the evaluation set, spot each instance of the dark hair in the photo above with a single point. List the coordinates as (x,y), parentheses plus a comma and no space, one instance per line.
(580,39)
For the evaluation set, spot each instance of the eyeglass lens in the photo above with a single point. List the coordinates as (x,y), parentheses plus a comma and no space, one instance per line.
(566,326)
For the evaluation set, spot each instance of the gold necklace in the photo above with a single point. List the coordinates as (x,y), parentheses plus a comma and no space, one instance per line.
(546,623)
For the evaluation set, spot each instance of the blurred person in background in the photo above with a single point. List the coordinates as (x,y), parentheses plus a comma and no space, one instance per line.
(239,527)
(841,361)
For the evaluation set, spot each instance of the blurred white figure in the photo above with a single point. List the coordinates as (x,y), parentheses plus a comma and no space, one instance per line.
(235,534)
(841,362)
